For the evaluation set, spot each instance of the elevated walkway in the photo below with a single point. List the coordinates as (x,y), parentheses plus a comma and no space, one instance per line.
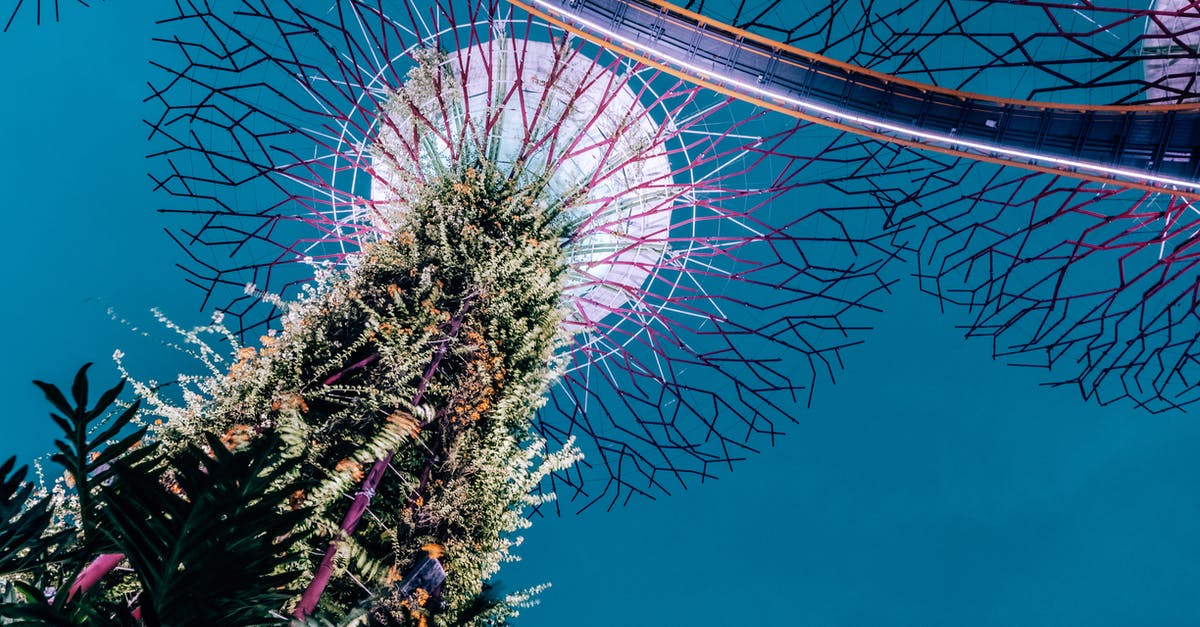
(1150,147)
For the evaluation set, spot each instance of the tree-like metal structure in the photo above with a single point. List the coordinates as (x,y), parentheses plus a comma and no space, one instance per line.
(708,287)
(761,246)
(724,260)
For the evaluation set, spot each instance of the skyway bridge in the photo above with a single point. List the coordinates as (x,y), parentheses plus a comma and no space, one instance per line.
(1150,147)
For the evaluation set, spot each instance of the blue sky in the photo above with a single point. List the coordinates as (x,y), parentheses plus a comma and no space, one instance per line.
(930,486)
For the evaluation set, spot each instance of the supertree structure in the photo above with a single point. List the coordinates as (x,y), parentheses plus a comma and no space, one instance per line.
(448,242)
(443,166)
(713,261)
(1077,53)
(703,264)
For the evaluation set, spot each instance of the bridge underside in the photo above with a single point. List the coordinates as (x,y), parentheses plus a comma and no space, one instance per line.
(1156,148)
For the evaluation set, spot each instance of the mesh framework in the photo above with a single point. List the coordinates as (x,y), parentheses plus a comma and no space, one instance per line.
(1094,283)
(776,240)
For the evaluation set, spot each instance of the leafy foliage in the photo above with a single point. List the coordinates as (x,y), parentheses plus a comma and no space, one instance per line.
(88,460)
(24,543)
(209,544)
(22,603)
(422,360)
(56,534)
(207,529)
(421,364)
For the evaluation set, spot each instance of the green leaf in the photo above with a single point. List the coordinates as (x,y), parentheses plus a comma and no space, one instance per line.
(22,603)
(85,458)
(118,423)
(24,541)
(79,388)
(218,555)
(106,400)
(101,469)
(55,397)
(61,422)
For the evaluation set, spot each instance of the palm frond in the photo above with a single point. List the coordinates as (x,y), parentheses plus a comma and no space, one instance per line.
(22,603)
(86,458)
(212,544)
(24,542)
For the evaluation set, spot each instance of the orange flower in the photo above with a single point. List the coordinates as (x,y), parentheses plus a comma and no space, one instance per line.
(402,423)
(351,467)
(289,401)
(435,550)
(237,436)
(172,486)
(238,368)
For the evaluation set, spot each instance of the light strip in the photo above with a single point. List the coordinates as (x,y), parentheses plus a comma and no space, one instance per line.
(871,122)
